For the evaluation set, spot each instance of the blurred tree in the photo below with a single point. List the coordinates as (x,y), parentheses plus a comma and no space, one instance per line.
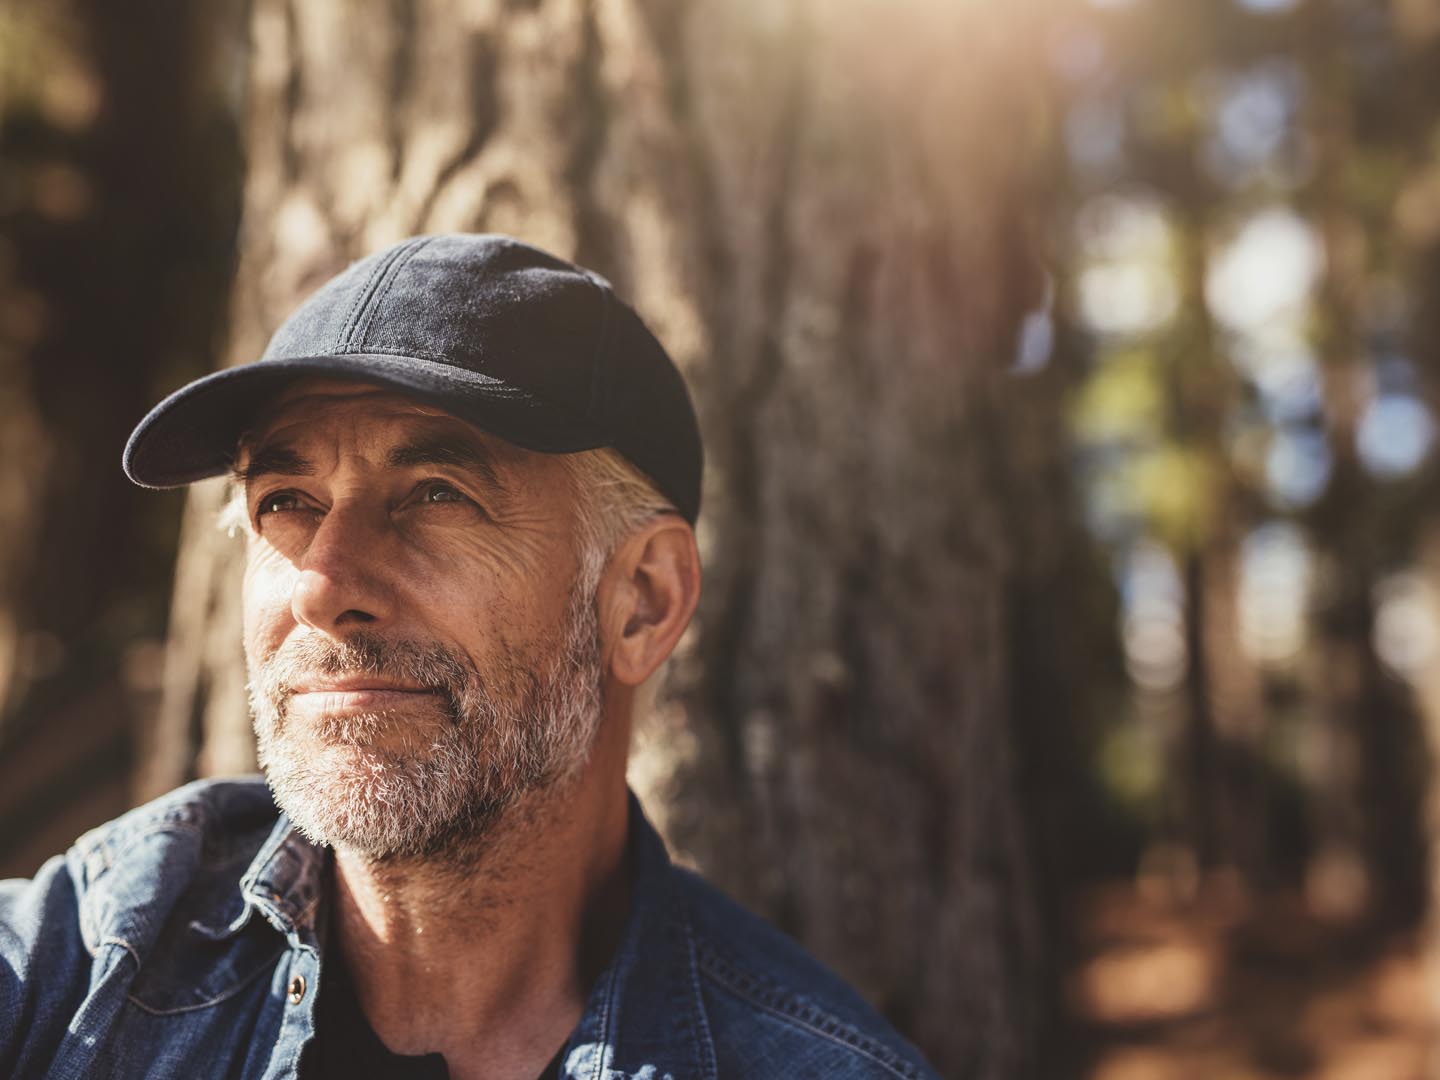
(1243,129)
(1412,215)
(815,208)
(1185,490)
(1370,813)
(117,214)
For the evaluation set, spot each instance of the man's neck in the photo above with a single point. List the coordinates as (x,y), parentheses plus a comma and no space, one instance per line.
(487,957)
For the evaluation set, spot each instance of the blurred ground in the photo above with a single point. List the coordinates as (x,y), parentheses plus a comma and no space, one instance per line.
(1243,988)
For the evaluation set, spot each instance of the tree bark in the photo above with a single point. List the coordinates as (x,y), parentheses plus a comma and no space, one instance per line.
(812,206)
(115,228)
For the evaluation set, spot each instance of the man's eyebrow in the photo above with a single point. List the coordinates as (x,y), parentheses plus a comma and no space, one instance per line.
(447,450)
(273,460)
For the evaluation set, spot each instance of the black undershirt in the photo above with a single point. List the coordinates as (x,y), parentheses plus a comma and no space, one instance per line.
(345,1045)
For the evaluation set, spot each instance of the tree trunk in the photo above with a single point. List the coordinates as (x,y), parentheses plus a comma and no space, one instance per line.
(115,228)
(1224,818)
(1370,814)
(811,205)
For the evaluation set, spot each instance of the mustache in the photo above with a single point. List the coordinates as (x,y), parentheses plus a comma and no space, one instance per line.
(428,664)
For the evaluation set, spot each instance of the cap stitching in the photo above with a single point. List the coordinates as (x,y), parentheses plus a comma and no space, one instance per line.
(360,296)
(366,291)
(392,273)
(418,354)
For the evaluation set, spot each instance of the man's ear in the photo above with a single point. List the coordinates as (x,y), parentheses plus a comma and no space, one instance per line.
(648,597)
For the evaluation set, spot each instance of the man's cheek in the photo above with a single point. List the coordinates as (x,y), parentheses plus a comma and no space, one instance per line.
(265,603)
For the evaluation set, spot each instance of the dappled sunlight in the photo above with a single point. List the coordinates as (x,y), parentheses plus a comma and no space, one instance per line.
(1396,433)
(1148,982)
(1236,987)
(1264,274)
(1407,625)
(1276,575)
(1126,286)
(1255,430)
(1297,466)
(1253,138)
(1269,7)
(1154,611)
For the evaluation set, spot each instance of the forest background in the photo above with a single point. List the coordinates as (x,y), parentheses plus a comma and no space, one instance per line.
(1068,674)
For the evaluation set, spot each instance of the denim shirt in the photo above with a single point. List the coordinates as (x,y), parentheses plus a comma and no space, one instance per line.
(184,940)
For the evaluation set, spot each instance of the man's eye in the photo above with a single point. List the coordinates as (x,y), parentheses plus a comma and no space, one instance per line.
(450,503)
(440,493)
(278,503)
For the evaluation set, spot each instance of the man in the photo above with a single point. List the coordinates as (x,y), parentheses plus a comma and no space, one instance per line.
(468,478)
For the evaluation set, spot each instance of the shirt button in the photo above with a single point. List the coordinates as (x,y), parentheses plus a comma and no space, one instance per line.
(297,989)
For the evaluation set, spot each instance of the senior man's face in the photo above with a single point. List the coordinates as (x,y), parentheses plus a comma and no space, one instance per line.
(420,654)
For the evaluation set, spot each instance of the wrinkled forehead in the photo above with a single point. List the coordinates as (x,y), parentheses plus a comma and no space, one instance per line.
(313,405)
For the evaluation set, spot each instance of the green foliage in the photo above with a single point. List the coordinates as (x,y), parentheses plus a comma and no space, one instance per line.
(1123,400)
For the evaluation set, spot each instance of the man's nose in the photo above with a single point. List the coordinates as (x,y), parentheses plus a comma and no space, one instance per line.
(342,581)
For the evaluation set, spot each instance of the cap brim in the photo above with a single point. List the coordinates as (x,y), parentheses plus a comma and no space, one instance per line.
(193,433)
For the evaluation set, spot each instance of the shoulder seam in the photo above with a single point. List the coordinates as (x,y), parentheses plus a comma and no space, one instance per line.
(175,811)
(803,1015)
(112,853)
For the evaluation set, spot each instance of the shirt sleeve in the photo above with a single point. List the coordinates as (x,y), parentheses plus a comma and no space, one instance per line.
(44,967)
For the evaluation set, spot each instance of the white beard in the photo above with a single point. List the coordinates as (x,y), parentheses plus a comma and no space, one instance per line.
(521,729)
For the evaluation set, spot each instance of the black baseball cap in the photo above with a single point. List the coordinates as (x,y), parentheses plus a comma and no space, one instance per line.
(498,333)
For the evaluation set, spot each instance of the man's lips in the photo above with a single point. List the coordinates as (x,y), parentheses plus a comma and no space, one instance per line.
(357,694)
(359,685)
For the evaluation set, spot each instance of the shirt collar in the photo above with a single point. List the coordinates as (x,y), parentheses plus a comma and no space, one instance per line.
(644,1019)
(285,883)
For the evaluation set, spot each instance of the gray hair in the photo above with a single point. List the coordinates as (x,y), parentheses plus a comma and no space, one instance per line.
(613,498)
